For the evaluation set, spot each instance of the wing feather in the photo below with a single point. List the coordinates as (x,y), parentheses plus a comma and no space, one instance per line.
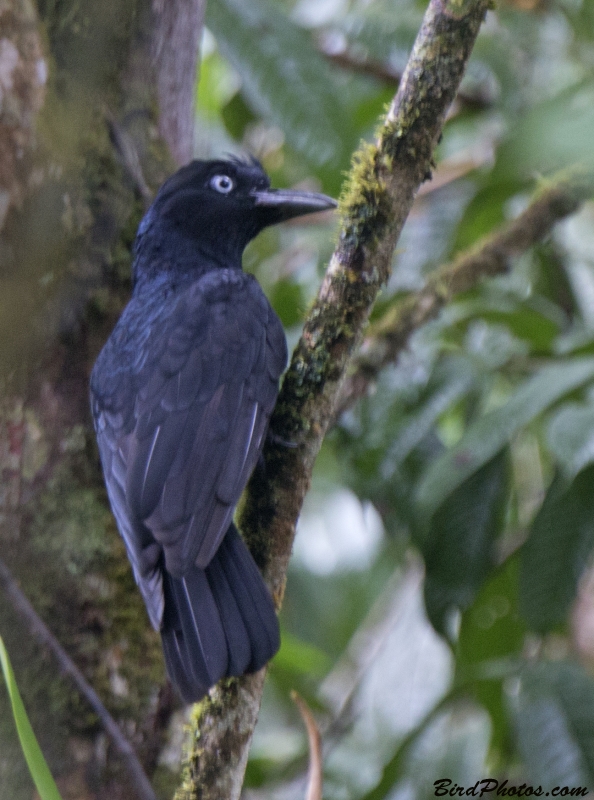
(182,397)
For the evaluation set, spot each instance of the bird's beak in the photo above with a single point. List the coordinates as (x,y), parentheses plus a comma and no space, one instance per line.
(285,203)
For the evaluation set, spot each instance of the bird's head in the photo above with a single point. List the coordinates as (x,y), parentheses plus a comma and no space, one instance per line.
(217,207)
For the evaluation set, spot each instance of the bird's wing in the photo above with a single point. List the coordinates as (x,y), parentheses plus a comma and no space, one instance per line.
(180,434)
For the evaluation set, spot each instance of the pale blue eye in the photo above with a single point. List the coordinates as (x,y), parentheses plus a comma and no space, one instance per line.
(222,183)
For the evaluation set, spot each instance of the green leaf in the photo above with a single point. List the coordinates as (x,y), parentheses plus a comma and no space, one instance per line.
(458,546)
(535,321)
(484,212)
(218,84)
(296,655)
(285,79)
(570,437)
(386,36)
(38,767)
(459,379)
(449,740)
(553,135)
(491,630)
(288,301)
(528,324)
(237,116)
(492,627)
(454,743)
(556,552)
(489,434)
(552,708)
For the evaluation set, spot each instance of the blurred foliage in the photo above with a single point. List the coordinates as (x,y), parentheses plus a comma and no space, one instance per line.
(474,453)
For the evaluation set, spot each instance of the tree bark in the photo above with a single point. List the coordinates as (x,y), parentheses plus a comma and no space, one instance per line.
(175,54)
(96,108)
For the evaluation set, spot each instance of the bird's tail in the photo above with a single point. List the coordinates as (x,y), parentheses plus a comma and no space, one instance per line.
(219,621)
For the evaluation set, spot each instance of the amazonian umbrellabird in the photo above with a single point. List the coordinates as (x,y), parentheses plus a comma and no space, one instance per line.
(181,396)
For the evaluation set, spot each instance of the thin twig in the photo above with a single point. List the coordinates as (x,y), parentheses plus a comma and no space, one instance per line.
(126,149)
(492,256)
(314,775)
(45,637)
(346,59)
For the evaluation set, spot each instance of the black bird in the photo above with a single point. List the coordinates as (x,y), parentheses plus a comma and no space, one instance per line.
(181,397)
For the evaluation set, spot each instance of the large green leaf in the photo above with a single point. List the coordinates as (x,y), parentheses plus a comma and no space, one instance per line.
(570,436)
(284,78)
(557,550)
(554,134)
(38,767)
(386,37)
(454,743)
(485,211)
(489,434)
(296,655)
(458,380)
(458,546)
(491,631)
(552,708)
(528,324)
(451,740)
(534,320)
(492,628)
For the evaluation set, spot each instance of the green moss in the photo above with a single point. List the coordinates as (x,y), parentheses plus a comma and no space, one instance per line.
(364,205)
(71,524)
(459,8)
(211,713)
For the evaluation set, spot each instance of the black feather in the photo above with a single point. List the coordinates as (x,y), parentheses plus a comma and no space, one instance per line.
(219,621)
(181,396)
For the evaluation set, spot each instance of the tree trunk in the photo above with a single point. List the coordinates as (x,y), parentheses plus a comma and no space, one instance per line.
(96,107)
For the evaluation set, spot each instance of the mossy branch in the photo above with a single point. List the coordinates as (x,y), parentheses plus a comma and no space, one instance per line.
(561,196)
(374,205)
